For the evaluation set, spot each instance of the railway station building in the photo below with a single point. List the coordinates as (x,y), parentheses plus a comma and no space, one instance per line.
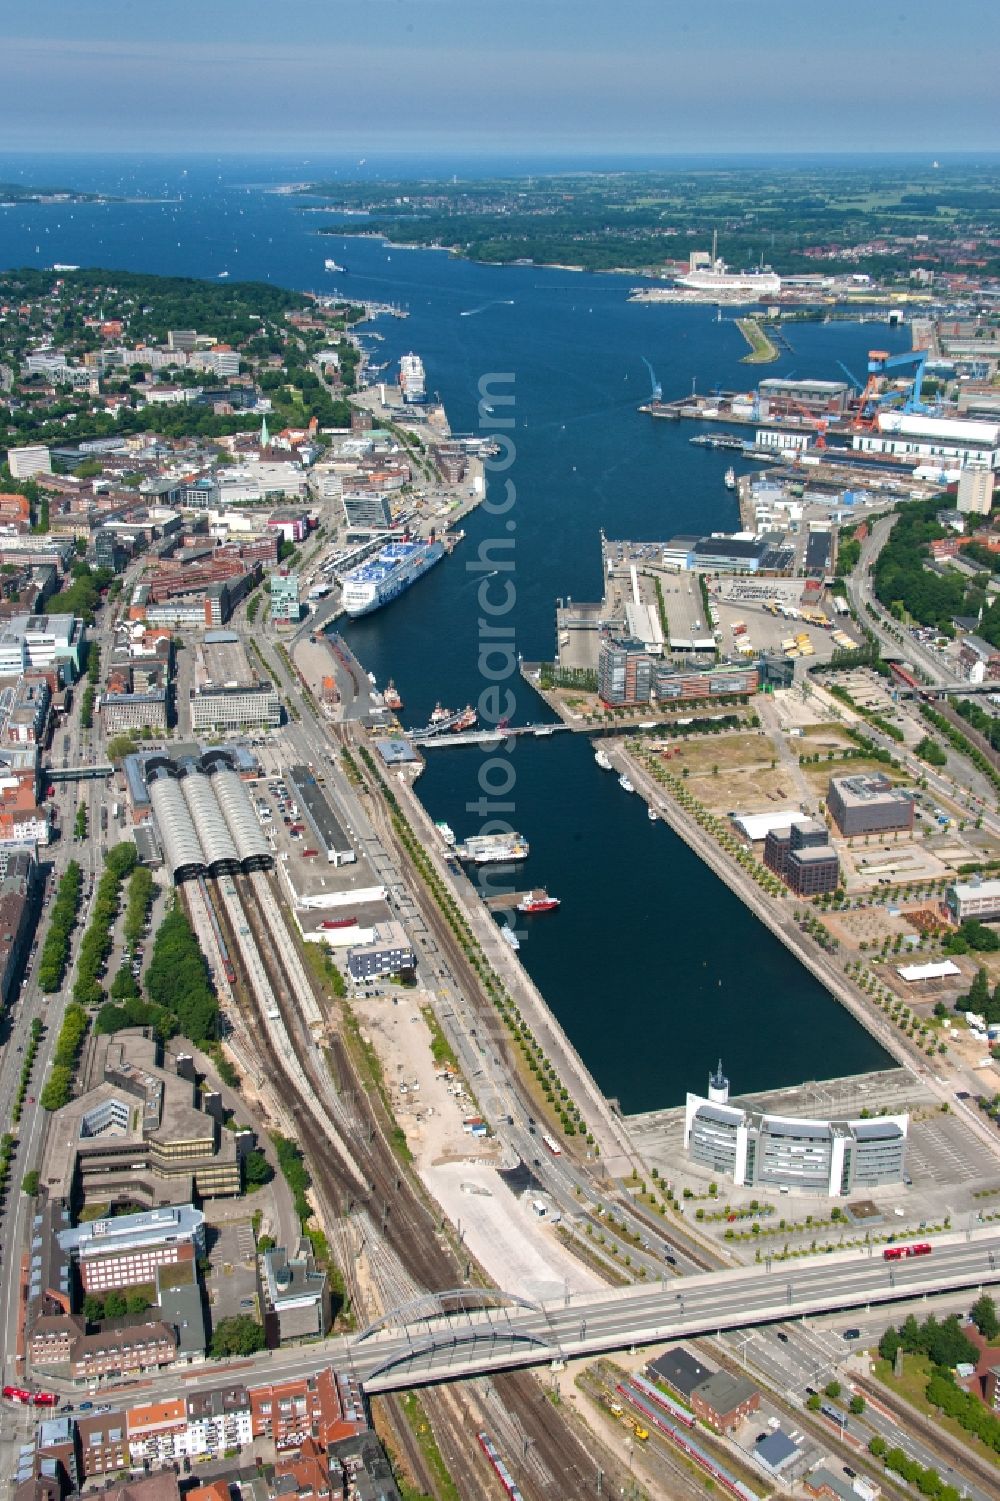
(204,816)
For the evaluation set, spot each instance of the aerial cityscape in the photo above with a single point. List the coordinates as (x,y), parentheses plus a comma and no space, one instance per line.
(499,757)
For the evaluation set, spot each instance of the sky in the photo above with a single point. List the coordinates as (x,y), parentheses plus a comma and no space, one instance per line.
(653,76)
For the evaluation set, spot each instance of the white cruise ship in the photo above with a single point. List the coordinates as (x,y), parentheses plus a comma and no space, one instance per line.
(412,377)
(397,566)
(752,286)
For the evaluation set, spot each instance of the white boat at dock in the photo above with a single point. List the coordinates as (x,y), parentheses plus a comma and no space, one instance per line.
(625,784)
(729,479)
(510,937)
(652,815)
(603,760)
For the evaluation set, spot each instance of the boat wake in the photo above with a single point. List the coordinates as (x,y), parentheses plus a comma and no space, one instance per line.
(657,391)
(497,302)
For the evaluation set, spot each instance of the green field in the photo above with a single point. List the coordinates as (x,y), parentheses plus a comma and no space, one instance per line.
(795,219)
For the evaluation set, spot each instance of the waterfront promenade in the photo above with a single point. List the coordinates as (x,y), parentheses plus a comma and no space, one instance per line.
(603,1122)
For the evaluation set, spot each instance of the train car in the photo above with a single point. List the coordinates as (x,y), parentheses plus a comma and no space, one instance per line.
(652,1393)
(903,676)
(45,1399)
(228,968)
(686,1443)
(17,1395)
(552,1145)
(506,1479)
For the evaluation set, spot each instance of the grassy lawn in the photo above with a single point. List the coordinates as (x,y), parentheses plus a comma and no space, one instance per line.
(762,351)
(911,1386)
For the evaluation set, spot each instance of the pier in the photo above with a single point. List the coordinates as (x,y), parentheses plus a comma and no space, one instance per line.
(506,901)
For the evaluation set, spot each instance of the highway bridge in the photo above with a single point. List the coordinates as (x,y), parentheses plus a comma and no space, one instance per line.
(419,1345)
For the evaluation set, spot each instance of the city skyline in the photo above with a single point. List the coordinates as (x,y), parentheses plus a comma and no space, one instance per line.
(563,76)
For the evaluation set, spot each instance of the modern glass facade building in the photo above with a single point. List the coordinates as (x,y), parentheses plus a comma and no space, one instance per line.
(806,1156)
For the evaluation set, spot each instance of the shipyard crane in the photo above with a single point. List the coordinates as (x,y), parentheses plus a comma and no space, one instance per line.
(806,415)
(873,398)
(858,385)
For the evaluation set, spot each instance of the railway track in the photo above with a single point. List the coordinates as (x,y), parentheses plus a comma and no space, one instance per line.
(561,1464)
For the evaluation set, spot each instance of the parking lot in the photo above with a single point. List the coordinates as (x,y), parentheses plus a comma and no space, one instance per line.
(766,631)
(232,1282)
(943,1153)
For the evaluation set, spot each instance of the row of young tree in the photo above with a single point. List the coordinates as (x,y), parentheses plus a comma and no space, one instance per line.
(55,949)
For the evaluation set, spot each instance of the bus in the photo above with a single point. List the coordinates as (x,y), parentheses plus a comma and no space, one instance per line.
(552,1145)
(896,1253)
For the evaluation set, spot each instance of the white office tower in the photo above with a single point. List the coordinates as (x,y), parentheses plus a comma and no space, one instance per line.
(718,1087)
(411,377)
(24,462)
(975,488)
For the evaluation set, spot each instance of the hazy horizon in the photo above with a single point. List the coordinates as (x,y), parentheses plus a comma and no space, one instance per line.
(525,78)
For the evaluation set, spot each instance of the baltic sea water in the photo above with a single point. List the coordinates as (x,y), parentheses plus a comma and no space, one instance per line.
(651,964)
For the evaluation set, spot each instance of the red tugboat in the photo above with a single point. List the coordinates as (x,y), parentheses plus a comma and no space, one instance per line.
(440,714)
(392,698)
(537,901)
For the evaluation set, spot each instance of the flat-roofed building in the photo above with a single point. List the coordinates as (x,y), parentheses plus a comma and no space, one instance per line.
(980,660)
(296,1296)
(389,953)
(624,671)
(324,825)
(975,488)
(821,396)
(811,872)
(121,712)
(25,462)
(228,694)
(140,1135)
(974,899)
(754,1148)
(128,1250)
(285,605)
(367,512)
(43,642)
(869,805)
(916,436)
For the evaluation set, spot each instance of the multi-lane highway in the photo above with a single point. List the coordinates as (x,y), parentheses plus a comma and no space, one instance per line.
(481,1340)
(703,1304)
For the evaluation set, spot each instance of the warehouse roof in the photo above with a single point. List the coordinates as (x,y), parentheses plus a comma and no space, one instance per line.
(914,973)
(758,825)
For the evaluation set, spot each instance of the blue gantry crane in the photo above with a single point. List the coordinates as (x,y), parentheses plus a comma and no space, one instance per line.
(872,399)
